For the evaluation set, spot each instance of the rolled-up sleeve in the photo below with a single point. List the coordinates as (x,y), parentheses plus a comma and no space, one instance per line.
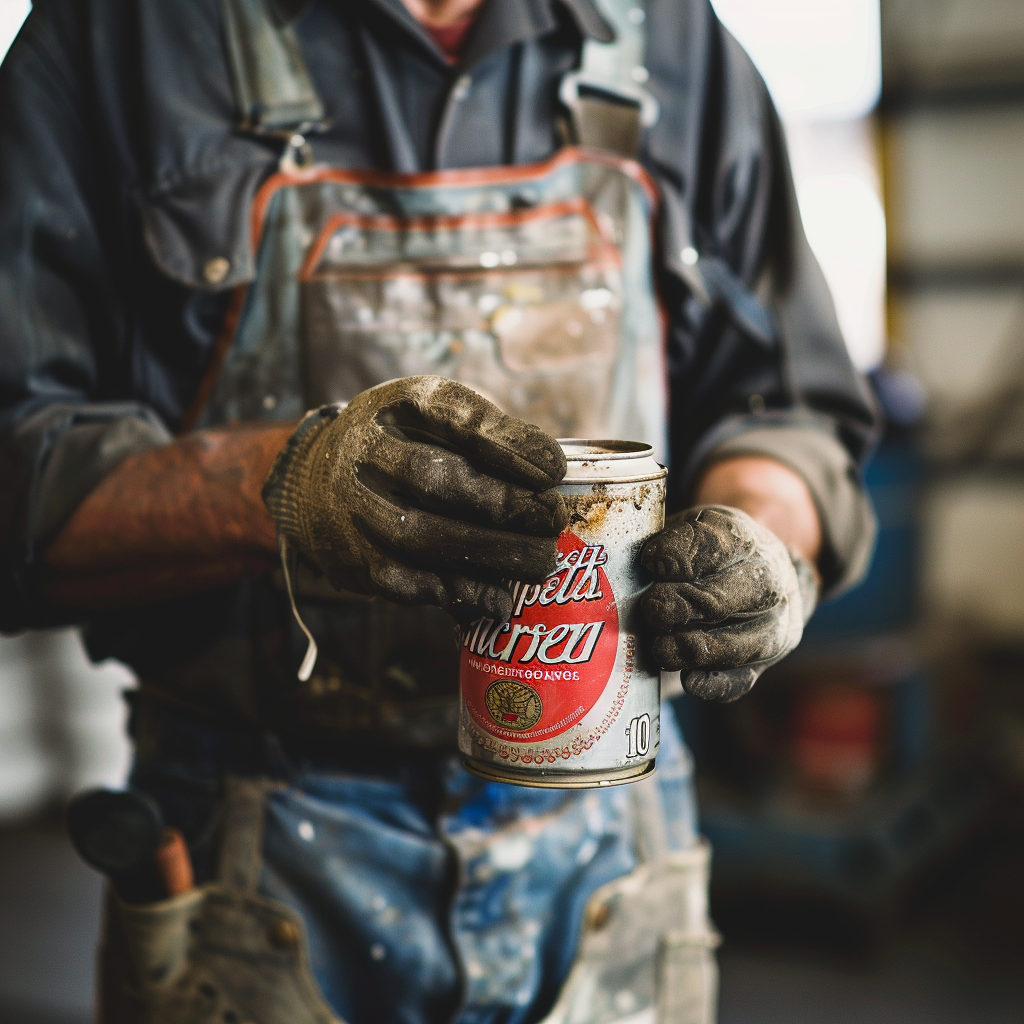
(808,446)
(63,368)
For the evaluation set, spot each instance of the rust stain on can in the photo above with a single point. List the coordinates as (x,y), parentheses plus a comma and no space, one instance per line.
(559,696)
(590,511)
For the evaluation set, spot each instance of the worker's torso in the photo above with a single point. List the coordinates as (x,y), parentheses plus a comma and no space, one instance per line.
(376,253)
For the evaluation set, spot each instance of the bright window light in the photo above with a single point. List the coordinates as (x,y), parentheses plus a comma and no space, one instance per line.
(845,226)
(821,59)
(12,14)
(822,63)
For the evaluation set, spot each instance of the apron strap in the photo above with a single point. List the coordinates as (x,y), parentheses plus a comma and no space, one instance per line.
(649,826)
(274,92)
(241,850)
(606,98)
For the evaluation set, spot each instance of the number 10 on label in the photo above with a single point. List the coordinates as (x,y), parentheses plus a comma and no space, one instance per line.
(638,736)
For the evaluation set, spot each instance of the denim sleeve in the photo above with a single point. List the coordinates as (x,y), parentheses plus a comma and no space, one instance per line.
(65,419)
(758,365)
(51,459)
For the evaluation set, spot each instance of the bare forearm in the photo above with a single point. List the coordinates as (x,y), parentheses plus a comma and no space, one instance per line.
(171,520)
(768,492)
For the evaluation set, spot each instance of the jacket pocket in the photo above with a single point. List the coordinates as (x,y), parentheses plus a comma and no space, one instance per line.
(198,232)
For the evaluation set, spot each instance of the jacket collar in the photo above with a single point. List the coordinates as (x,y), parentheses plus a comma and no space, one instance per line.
(500,23)
(286,11)
(590,21)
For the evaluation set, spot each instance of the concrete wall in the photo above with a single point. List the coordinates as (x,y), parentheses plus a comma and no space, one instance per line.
(953,114)
(956,194)
(949,41)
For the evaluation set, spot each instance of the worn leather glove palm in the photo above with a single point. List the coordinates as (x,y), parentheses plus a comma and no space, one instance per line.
(727,602)
(421,492)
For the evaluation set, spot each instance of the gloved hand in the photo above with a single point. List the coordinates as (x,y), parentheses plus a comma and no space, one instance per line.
(727,602)
(422,492)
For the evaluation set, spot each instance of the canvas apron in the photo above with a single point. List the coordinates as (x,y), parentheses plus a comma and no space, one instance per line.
(225,952)
(533,285)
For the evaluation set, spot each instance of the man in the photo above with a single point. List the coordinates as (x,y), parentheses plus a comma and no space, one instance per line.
(215,216)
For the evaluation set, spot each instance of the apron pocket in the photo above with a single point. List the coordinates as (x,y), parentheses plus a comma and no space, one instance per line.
(207,955)
(523,306)
(647,949)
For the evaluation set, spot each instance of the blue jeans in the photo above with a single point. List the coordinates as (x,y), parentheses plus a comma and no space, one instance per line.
(427,893)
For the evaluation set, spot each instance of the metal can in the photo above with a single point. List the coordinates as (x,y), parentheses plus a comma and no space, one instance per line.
(559,696)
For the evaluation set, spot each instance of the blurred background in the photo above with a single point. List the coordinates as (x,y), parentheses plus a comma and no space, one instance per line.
(866,802)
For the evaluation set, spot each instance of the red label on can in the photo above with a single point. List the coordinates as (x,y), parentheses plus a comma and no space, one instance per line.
(540,673)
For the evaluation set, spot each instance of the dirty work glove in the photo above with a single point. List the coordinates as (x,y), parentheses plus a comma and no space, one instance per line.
(727,602)
(421,492)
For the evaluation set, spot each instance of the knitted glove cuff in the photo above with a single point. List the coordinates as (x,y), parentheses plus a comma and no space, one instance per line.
(284,486)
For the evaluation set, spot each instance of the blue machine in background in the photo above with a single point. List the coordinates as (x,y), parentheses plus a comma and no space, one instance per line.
(856,850)
(887,600)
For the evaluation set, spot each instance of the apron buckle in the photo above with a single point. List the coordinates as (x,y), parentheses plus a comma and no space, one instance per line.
(608,116)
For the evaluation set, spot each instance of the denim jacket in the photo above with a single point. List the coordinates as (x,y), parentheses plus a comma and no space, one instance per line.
(126,176)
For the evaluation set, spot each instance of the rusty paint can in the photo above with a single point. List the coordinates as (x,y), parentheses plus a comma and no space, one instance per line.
(560,695)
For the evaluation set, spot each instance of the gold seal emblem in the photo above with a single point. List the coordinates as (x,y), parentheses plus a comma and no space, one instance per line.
(513,705)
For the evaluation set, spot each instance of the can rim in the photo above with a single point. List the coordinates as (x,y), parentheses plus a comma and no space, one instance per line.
(582,449)
(593,778)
